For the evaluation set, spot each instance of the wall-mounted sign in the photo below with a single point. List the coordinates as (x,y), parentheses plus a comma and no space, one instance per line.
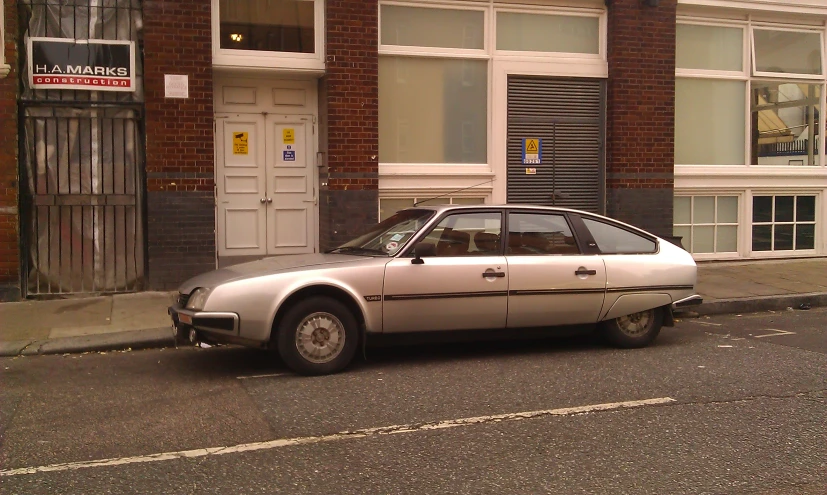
(532,151)
(240,143)
(92,65)
(176,86)
(531,171)
(288,136)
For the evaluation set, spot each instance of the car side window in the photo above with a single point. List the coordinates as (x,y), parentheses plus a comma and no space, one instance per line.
(536,233)
(612,239)
(467,234)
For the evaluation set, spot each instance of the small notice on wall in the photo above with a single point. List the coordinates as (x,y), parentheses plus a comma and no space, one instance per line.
(288,136)
(176,86)
(240,146)
(532,151)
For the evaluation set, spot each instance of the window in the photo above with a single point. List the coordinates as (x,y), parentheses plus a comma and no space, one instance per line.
(467,234)
(548,33)
(389,206)
(436,28)
(612,239)
(707,224)
(710,47)
(532,233)
(783,223)
(777,52)
(785,124)
(709,122)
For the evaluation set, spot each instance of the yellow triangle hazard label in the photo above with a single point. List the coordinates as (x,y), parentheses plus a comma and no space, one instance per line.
(531,146)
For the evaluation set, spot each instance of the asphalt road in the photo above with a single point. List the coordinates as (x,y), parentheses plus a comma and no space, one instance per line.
(722,405)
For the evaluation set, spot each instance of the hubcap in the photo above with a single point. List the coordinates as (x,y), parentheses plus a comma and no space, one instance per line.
(636,324)
(320,337)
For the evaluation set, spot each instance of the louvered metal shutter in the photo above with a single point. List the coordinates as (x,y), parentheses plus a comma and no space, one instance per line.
(568,115)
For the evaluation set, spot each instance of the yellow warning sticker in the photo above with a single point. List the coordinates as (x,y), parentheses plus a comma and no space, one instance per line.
(532,151)
(531,146)
(288,136)
(240,145)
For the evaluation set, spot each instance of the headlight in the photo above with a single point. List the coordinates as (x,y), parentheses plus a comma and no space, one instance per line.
(198,299)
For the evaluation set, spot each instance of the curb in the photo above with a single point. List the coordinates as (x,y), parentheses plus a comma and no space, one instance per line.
(755,304)
(151,338)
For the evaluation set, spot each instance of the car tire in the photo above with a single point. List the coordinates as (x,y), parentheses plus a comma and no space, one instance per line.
(318,336)
(633,331)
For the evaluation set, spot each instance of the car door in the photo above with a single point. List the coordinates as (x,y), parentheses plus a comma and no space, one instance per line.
(463,287)
(551,281)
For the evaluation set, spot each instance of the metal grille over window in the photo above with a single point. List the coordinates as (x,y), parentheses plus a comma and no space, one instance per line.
(83,158)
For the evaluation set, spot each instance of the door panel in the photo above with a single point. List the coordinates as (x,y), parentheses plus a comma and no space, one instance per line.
(445,293)
(241,191)
(290,185)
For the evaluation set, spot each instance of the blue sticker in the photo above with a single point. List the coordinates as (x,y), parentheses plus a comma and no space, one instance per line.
(290,156)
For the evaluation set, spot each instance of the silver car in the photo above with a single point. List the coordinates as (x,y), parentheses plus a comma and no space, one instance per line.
(445,268)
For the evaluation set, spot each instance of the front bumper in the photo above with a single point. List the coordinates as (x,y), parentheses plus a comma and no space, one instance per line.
(185,321)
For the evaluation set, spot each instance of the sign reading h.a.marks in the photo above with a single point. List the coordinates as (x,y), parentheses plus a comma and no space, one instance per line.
(93,65)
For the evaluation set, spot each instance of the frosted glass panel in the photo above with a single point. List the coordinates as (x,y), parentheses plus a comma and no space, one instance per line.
(682,210)
(685,233)
(704,209)
(433,110)
(468,201)
(710,47)
(709,122)
(547,33)
(704,240)
(443,28)
(387,207)
(727,239)
(727,209)
(787,52)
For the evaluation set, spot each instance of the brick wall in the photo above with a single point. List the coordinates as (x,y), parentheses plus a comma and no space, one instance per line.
(350,111)
(179,142)
(9,218)
(641,113)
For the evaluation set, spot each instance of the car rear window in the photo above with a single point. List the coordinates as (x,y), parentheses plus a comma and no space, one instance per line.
(612,239)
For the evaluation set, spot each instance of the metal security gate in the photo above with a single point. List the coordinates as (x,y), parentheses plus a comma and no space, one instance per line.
(568,116)
(82,164)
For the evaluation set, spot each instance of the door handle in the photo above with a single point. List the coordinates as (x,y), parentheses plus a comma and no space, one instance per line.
(269,200)
(262,200)
(583,271)
(493,274)
(310,200)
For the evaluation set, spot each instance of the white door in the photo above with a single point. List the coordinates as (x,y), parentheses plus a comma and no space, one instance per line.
(266,194)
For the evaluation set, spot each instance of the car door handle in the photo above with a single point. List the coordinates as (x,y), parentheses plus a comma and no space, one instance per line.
(493,274)
(583,271)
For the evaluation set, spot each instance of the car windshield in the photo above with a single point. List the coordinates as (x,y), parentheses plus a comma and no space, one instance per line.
(388,236)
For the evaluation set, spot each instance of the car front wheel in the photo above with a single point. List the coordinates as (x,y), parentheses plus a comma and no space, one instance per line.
(318,336)
(634,330)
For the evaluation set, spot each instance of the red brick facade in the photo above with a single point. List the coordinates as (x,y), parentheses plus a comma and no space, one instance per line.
(9,184)
(179,141)
(641,113)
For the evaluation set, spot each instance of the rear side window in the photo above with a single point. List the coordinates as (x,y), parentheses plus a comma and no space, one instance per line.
(611,239)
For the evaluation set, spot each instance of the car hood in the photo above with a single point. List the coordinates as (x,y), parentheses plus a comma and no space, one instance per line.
(266,266)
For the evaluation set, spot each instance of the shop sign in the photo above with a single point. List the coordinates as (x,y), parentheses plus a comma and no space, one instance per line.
(92,65)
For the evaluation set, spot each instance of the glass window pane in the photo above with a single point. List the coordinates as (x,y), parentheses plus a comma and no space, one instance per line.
(787,52)
(709,122)
(468,201)
(547,33)
(681,210)
(727,209)
(727,241)
(388,207)
(805,209)
(454,235)
(762,237)
(539,234)
(685,233)
(611,239)
(783,238)
(704,240)
(271,25)
(805,236)
(710,47)
(785,124)
(445,28)
(429,106)
(704,209)
(762,209)
(783,208)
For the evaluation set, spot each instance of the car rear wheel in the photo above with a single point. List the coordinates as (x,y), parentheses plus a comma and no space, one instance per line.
(318,336)
(634,330)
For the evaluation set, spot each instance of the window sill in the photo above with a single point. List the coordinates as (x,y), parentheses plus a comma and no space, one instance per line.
(4,70)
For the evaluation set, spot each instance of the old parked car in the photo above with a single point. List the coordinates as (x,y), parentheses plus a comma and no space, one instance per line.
(445,268)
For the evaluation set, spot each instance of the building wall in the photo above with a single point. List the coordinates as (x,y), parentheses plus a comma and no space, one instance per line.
(641,114)
(350,112)
(9,217)
(179,147)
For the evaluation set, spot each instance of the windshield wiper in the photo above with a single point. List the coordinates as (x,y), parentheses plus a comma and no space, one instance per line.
(358,250)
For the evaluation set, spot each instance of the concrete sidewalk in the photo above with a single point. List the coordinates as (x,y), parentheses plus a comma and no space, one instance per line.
(140,320)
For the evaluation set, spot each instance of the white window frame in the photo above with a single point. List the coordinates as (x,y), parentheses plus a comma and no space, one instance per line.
(426,51)
(4,67)
(785,192)
(784,75)
(600,15)
(738,225)
(235,59)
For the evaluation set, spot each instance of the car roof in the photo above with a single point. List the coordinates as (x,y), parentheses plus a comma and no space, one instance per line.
(441,208)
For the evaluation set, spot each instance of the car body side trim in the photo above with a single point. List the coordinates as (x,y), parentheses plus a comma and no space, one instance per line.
(542,292)
(449,295)
(650,288)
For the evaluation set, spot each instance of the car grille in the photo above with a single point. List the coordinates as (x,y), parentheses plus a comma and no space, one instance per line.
(183,299)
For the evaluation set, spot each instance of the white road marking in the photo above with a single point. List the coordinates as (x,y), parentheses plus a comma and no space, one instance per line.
(776,334)
(260,376)
(707,323)
(343,435)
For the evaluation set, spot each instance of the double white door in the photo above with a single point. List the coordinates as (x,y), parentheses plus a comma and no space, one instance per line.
(265,179)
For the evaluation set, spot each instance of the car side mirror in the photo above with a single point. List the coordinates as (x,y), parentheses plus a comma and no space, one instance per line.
(421,250)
